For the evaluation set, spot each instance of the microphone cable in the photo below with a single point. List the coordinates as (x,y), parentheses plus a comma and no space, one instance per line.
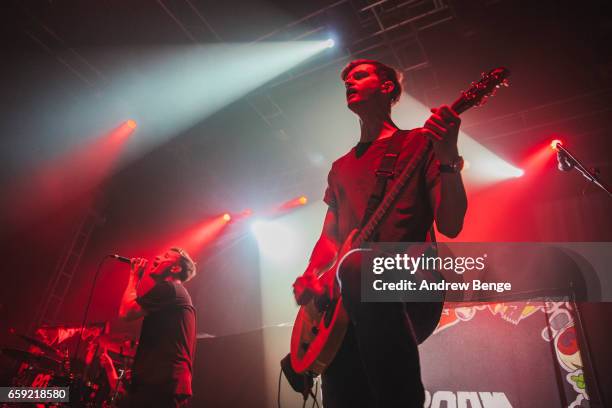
(89,299)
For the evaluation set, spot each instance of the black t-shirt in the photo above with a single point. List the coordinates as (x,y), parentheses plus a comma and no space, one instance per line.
(167,340)
(352,179)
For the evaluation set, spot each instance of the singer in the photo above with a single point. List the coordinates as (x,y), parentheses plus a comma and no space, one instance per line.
(162,371)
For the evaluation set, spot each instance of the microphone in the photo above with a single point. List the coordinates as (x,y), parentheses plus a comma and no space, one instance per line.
(121,258)
(566,161)
(127,261)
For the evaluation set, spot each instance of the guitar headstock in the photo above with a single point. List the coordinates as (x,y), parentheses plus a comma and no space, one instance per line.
(479,91)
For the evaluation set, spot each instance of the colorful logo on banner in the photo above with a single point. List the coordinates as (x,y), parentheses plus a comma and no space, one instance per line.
(559,331)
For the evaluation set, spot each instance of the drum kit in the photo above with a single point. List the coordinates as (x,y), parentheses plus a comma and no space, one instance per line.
(90,385)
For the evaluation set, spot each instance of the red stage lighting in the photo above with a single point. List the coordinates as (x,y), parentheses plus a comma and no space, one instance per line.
(246,213)
(555,143)
(291,204)
(507,206)
(79,170)
(202,234)
(121,133)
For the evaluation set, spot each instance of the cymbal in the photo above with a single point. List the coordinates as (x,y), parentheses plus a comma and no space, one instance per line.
(40,361)
(41,345)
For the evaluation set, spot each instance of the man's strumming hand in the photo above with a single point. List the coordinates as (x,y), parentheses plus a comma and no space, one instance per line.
(307,287)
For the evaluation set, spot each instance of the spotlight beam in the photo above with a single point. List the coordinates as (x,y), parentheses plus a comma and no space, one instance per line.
(75,173)
(192,83)
(166,89)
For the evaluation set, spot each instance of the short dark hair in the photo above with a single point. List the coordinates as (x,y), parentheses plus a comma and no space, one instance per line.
(386,72)
(188,267)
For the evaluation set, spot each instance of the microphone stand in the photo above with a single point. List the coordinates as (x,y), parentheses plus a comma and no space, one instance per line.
(568,161)
(87,306)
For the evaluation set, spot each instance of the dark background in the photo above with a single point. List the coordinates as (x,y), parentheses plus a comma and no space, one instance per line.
(59,59)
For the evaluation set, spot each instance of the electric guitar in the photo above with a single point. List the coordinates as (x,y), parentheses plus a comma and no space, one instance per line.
(319,327)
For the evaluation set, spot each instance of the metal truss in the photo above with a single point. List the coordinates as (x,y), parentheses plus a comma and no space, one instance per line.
(60,281)
(384,27)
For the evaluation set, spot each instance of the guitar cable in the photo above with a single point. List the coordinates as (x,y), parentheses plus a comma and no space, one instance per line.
(315,402)
(280,375)
(314,395)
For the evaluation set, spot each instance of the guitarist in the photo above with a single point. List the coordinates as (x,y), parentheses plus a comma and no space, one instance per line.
(378,362)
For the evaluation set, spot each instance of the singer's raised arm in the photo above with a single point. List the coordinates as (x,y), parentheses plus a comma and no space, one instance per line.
(130,309)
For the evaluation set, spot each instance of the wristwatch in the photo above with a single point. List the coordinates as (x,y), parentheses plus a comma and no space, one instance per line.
(454,166)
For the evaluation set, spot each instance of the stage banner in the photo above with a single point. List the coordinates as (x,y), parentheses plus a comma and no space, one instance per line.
(501,355)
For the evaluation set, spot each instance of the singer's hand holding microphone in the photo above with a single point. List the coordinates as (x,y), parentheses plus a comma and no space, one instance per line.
(138,267)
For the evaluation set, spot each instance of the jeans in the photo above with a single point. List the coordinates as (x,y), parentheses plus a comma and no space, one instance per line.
(377,365)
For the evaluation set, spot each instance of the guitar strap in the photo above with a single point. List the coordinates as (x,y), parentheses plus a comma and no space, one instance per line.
(386,171)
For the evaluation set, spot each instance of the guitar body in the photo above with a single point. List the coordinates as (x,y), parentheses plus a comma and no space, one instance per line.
(320,327)
(321,324)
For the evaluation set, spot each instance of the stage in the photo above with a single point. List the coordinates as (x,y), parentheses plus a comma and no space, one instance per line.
(234,146)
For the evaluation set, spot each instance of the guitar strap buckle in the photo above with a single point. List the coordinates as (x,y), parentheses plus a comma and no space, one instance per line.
(385,171)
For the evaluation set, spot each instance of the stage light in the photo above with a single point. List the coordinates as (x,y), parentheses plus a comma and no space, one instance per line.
(291,205)
(184,93)
(330,43)
(484,166)
(276,240)
(123,132)
(284,245)
(555,144)
(519,173)
(203,233)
